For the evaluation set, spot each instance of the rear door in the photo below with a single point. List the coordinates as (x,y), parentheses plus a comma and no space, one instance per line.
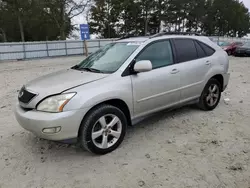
(194,62)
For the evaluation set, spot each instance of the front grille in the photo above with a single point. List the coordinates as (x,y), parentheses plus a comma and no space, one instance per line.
(25,96)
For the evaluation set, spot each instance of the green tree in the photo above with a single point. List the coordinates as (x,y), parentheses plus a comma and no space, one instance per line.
(225,18)
(17,9)
(196,15)
(130,16)
(35,20)
(105,18)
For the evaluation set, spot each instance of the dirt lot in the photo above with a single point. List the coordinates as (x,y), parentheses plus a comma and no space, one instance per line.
(183,148)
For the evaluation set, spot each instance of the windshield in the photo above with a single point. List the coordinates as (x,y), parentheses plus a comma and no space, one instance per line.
(224,43)
(109,58)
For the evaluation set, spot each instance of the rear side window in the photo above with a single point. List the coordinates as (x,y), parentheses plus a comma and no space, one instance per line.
(209,51)
(185,49)
(201,53)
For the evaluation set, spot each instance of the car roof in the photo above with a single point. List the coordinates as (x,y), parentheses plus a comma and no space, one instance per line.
(143,39)
(134,39)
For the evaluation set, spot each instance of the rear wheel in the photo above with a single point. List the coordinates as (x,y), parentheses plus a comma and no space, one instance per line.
(210,96)
(103,129)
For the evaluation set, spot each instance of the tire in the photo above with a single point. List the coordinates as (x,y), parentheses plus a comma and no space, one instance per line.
(94,123)
(229,53)
(206,104)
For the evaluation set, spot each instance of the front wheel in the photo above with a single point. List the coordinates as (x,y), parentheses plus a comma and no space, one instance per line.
(210,96)
(103,129)
(229,53)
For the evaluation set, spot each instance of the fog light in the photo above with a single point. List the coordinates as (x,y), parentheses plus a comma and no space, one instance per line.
(52,130)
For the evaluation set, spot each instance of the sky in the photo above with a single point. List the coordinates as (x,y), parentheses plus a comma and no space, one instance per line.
(247,3)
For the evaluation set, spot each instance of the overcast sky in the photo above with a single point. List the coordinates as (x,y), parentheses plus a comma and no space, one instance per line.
(247,3)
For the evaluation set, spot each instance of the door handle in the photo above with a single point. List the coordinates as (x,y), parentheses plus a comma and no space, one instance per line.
(175,71)
(208,63)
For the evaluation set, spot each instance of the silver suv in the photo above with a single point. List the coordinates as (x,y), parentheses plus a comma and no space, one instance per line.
(97,99)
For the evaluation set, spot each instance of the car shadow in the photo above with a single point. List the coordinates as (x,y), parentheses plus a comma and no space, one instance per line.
(74,151)
(160,119)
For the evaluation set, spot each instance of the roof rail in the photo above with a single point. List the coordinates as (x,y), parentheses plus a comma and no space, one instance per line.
(175,33)
(132,35)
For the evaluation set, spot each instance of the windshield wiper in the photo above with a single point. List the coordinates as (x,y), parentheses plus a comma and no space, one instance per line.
(75,67)
(87,69)
(90,69)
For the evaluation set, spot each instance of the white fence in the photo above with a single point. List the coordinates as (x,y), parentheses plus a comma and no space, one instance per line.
(30,50)
(229,39)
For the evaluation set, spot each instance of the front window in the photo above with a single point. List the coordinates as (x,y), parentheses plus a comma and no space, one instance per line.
(109,58)
(159,53)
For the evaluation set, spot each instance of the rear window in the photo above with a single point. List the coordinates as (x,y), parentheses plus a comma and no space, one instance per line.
(201,53)
(208,50)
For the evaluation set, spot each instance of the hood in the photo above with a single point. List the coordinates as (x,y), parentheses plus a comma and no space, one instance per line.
(56,83)
(63,80)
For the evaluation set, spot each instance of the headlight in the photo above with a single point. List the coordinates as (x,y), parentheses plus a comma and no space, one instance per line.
(55,103)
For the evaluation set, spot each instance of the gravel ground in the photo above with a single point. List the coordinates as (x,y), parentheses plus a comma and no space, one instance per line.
(183,148)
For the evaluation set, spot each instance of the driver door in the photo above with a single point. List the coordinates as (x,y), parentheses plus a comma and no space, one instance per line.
(158,88)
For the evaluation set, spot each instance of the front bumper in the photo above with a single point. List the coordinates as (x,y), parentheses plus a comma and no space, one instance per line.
(35,122)
(226,80)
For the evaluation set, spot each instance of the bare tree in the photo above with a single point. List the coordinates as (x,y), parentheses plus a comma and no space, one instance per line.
(62,10)
(76,8)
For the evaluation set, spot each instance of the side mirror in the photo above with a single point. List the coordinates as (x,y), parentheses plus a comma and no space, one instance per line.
(143,66)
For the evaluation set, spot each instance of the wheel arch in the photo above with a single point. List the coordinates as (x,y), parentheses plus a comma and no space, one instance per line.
(118,103)
(220,79)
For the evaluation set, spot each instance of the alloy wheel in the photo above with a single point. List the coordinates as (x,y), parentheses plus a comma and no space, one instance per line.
(213,95)
(106,131)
